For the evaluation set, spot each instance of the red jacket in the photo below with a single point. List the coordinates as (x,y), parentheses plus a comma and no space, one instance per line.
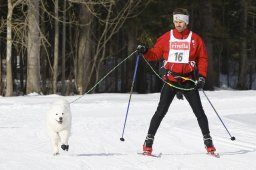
(198,53)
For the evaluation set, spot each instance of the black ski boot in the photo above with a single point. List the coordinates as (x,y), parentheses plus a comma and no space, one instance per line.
(208,143)
(147,146)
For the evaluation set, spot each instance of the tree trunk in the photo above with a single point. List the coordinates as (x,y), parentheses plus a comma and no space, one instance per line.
(21,70)
(1,86)
(43,55)
(9,80)
(84,58)
(63,68)
(33,62)
(243,62)
(207,31)
(56,47)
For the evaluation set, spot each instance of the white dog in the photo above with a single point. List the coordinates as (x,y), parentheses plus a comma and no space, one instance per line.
(59,125)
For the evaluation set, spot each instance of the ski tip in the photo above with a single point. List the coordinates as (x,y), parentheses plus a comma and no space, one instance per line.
(150,154)
(214,154)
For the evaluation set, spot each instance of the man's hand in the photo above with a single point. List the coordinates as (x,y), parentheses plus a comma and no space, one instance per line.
(141,49)
(201,82)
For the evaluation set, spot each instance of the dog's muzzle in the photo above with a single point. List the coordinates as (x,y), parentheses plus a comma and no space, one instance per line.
(60,120)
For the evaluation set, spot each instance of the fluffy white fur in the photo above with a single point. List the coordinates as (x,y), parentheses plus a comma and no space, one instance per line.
(59,124)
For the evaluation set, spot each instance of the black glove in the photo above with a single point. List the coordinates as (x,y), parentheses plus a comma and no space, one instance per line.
(141,49)
(200,82)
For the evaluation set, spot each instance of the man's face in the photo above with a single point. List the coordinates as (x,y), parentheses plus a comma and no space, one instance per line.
(180,25)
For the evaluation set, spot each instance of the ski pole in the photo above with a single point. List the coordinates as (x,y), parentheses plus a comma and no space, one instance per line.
(133,80)
(232,137)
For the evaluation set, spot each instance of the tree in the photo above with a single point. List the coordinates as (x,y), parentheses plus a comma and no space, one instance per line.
(9,78)
(63,59)
(109,17)
(243,63)
(116,14)
(84,59)
(1,65)
(33,49)
(56,46)
(207,35)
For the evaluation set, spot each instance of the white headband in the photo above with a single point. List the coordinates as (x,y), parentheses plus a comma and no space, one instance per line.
(181,17)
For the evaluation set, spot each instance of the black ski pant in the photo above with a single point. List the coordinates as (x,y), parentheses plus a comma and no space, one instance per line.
(166,98)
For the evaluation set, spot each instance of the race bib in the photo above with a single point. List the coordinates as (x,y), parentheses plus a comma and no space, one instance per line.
(179,49)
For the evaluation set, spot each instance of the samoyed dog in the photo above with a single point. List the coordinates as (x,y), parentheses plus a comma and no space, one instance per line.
(59,125)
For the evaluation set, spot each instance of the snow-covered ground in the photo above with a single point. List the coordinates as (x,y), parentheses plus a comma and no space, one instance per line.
(97,127)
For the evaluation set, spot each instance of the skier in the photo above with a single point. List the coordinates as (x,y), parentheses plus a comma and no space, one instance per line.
(184,54)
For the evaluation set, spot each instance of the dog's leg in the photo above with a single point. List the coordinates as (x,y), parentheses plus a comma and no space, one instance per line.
(64,136)
(55,140)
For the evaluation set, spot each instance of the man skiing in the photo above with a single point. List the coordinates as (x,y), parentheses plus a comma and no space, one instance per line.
(185,55)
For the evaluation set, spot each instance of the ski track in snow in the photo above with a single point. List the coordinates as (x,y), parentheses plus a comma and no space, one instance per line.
(97,126)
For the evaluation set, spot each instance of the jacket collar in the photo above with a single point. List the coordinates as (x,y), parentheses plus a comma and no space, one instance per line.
(181,35)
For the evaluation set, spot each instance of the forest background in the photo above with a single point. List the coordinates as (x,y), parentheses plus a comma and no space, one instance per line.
(66,46)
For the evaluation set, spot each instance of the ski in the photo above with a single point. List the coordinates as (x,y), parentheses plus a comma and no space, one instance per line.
(150,154)
(216,155)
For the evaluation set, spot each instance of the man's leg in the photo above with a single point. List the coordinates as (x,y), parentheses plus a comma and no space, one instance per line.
(166,97)
(194,100)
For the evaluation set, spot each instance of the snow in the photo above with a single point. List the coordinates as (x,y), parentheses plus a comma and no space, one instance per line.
(97,127)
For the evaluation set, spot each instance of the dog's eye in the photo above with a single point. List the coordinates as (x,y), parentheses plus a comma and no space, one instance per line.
(62,113)
(56,113)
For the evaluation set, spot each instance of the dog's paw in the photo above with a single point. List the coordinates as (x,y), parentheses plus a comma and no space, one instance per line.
(65,147)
